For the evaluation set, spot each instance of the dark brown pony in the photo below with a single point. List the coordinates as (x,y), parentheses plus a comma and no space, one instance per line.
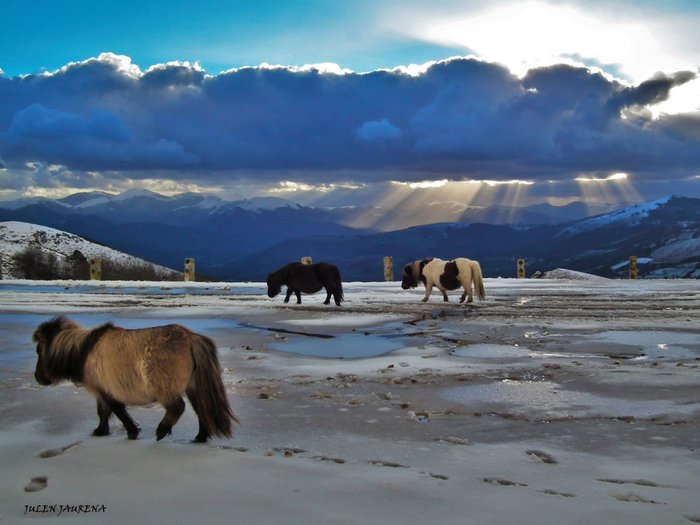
(137,367)
(306,278)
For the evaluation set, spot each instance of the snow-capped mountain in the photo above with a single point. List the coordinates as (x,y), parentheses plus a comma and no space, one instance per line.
(631,215)
(17,237)
(245,240)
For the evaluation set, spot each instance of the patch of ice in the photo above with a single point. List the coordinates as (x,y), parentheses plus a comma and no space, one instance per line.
(491,351)
(345,346)
(545,399)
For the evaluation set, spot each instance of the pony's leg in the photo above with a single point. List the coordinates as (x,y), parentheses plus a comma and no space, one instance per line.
(103,412)
(444,295)
(428,291)
(467,292)
(203,433)
(298,294)
(337,298)
(289,294)
(119,409)
(328,297)
(173,411)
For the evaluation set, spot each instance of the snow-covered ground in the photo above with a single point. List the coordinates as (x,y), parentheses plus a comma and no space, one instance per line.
(553,401)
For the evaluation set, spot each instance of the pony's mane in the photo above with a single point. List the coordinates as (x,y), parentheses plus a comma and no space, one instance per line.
(47,330)
(66,345)
(279,276)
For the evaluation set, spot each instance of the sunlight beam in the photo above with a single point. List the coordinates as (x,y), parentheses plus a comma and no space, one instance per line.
(611,189)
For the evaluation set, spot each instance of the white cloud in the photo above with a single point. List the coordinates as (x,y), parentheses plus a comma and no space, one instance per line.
(612,177)
(621,39)
(121,63)
(422,184)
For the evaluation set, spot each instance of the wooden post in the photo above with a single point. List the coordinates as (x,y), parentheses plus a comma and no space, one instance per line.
(95,269)
(521,269)
(189,269)
(633,267)
(388,268)
(307,260)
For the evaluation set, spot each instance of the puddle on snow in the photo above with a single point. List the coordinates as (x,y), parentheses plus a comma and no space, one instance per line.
(655,344)
(346,346)
(545,399)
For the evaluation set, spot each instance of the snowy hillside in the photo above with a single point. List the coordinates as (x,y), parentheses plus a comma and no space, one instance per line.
(630,215)
(16,237)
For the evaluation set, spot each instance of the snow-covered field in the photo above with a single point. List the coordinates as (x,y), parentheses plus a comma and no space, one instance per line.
(553,401)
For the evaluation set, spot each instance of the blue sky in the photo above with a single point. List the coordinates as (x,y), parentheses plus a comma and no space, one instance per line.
(335,103)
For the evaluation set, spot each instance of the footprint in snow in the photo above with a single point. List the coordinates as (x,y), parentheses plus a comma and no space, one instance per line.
(383,463)
(36,484)
(504,482)
(631,497)
(340,461)
(542,456)
(53,452)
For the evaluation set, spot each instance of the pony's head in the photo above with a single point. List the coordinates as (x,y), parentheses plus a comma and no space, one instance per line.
(274,284)
(413,273)
(43,336)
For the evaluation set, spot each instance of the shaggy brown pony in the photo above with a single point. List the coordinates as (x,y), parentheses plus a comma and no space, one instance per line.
(137,367)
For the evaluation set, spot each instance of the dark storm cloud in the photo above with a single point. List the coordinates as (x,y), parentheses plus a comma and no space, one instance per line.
(652,91)
(457,116)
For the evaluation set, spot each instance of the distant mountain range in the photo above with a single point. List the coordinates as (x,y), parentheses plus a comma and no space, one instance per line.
(246,239)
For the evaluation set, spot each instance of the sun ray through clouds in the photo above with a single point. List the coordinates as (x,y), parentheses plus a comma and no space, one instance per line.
(407,204)
(613,188)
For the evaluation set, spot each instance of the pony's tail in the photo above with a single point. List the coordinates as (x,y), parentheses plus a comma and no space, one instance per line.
(207,394)
(478,281)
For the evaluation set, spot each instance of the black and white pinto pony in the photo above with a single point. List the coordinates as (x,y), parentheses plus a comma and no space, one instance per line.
(306,278)
(446,275)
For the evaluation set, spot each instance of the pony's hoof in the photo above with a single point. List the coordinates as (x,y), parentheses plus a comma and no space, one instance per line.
(199,439)
(161,433)
(133,435)
(99,432)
